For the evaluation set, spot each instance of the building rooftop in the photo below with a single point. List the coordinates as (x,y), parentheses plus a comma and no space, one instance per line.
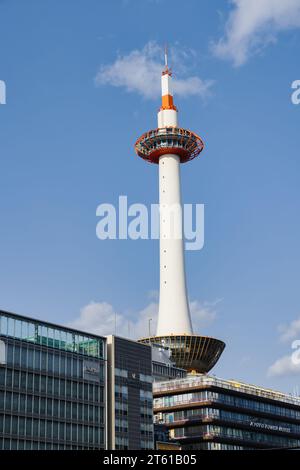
(192,381)
(51,335)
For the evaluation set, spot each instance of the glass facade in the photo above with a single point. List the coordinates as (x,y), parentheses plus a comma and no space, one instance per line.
(52,386)
(213,431)
(214,446)
(208,413)
(237,402)
(167,371)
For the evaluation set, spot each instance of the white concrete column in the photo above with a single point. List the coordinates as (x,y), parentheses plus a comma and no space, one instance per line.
(174,314)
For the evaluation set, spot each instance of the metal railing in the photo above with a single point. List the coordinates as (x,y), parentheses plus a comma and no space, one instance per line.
(201,380)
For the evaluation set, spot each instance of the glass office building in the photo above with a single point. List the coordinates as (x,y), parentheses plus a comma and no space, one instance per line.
(203,412)
(52,386)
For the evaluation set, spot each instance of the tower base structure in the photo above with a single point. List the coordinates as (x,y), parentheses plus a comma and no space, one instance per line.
(193,353)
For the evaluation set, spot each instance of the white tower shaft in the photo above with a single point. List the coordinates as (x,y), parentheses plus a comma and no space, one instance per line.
(174,315)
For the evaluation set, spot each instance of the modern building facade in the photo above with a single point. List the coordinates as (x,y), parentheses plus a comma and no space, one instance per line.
(130,412)
(203,412)
(52,386)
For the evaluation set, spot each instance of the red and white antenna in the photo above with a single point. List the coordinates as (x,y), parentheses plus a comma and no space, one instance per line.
(166,86)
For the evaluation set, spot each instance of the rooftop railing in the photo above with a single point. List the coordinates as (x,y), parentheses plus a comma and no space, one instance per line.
(46,334)
(192,382)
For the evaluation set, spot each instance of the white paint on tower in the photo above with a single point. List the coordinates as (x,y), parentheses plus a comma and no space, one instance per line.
(174,314)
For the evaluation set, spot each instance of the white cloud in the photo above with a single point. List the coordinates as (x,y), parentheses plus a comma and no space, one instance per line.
(289,364)
(202,313)
(253,24)
(100,318)
(153,295)
(290,332)
(140,72)
(284,366)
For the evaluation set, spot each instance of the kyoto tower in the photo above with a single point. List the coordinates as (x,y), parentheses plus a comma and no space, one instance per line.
(169,146)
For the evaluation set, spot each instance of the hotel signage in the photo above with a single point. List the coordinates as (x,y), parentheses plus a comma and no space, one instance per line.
(269,427)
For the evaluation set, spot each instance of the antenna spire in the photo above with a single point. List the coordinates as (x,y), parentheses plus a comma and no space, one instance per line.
(166,70)
(166,56)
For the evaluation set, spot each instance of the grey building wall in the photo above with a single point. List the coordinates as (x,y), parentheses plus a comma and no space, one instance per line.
(130,389)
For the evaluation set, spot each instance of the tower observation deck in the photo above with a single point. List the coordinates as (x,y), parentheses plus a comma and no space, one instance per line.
(169,146)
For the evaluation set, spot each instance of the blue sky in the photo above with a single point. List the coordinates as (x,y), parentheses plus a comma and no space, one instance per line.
(67,132)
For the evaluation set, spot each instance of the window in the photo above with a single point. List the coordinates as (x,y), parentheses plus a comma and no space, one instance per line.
(62,431)
(68,410)
(36,359)
(30,358)
(50,362)
(16,379)
(62,409)
(68,432)
(35,427)
(74,411)
(23,381)
(43,384)
(29,404)
(56,387)
(121,373)
(44,361)
(2,376)
(28,427)
(74,390)
(24,357)
(8,401)
(146,378)
(56,364)
(22,403)
(42,428)
(55,430)
(21,426)
(43,406)
(8,378)
(49,429)
(49,407)
(68,389)
(14,427)
(55,408)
